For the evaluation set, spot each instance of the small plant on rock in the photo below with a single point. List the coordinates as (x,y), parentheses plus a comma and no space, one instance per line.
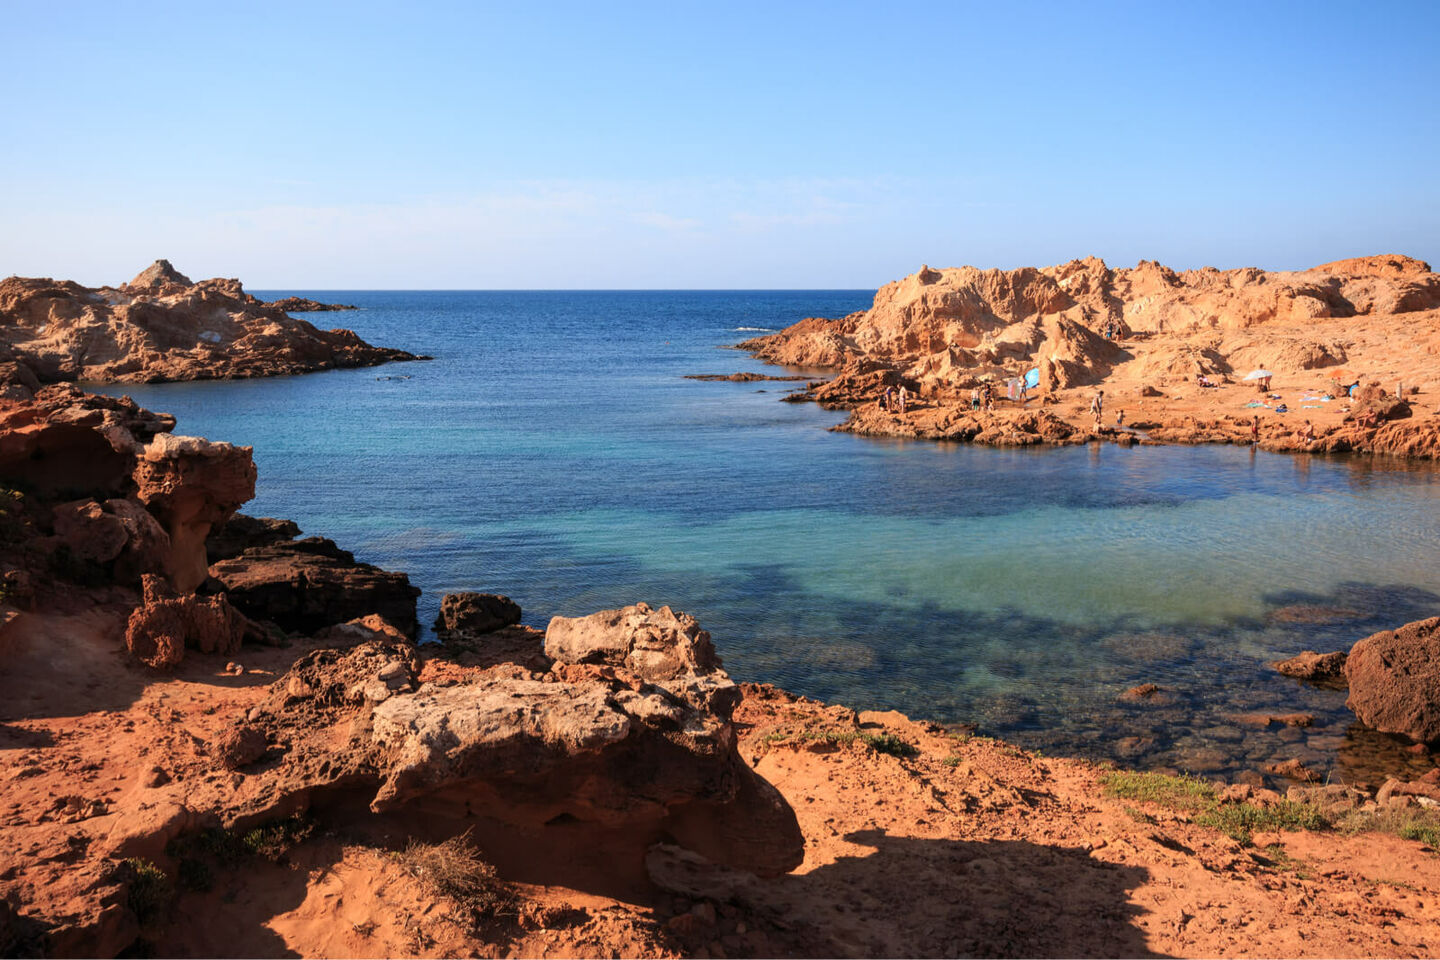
(150,890)
(455,869)
(275,839)
(1197,797)
(891,744)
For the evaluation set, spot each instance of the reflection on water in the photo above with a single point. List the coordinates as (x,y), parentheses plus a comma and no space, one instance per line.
(553,452)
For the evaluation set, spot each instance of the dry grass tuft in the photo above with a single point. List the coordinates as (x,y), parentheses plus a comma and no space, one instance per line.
(454,869)
(1408,823)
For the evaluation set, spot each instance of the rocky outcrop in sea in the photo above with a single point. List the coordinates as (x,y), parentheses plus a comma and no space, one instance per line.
(160,326)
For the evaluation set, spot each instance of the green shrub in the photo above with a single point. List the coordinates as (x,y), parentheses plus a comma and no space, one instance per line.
(879,742)
(891,744)
(275,839)
(1407,823)
(1192,795)
(193,874)
(150,890)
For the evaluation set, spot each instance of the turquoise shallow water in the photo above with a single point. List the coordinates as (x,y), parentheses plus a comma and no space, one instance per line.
(553,451)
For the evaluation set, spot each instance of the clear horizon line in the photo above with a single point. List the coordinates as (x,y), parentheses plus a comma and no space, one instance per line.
(249,289)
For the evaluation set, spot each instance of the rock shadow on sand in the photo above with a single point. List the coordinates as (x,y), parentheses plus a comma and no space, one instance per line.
(915,897)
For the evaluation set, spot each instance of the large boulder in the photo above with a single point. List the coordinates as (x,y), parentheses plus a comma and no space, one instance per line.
(612,738)
(88,532)
(659,646)
(1394,678)
(241,532)
(307,585)
(119,534)
(476,612)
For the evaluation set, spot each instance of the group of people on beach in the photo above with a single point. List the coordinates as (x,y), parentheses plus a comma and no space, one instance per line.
(982,397)
(893,401)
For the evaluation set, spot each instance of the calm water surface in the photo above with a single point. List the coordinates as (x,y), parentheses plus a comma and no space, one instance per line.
(553,452)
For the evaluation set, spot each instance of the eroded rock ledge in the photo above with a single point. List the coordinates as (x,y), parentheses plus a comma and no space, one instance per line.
(1169,348)
(161,326)
(628,729)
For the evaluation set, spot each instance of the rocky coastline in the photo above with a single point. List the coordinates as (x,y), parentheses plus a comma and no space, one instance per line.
(306,305)
(160,327)
(203,708)
(208,716)
(1170,349)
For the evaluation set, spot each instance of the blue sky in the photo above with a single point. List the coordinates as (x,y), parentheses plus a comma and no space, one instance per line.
(680,145)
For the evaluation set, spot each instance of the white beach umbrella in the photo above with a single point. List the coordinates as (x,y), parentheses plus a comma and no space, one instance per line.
(1258,374)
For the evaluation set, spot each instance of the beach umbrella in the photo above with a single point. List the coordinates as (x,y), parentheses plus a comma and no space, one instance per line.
(1258,374)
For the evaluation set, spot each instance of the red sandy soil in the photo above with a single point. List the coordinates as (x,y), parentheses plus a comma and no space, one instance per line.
(971,847)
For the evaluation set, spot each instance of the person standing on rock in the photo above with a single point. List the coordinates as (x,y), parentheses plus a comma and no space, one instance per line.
(974,398)
(902,399)
(1097,407)
(885,399)
(1255,429)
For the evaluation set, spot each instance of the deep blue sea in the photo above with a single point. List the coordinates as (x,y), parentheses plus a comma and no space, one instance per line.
(552,451)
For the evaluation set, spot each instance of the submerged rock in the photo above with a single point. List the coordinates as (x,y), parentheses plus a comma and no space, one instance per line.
(1319,668)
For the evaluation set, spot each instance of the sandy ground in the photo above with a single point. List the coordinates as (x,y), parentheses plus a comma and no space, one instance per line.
(971,847)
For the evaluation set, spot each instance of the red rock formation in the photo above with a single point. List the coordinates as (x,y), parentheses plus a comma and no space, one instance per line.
(629,732)
(1321,668)
(192,485)
(241,532)
(476,612)
(1082,324)
(105,461)
(969,308)
(306,305)
(1394,678)
(67,443)
(310,584)
(166,623)
(161,326)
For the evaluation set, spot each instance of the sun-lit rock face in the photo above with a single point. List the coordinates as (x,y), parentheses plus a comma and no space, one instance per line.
(980,319)
(161,326)
(625,729)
